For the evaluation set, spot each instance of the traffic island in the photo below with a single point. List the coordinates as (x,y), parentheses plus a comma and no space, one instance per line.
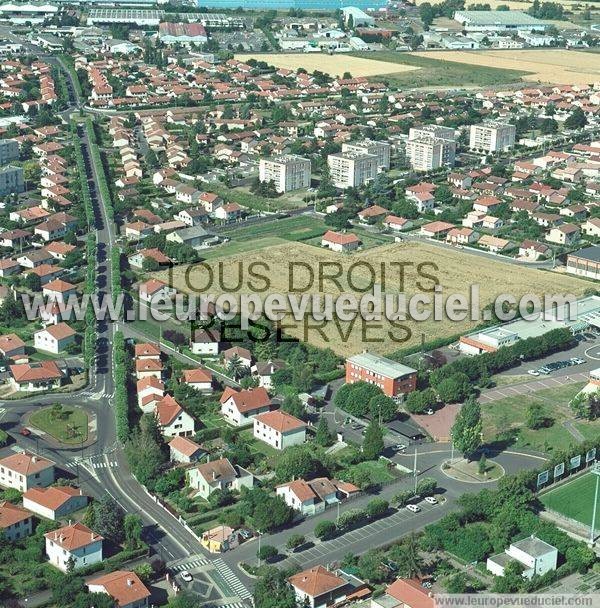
(64,424)
(472,471)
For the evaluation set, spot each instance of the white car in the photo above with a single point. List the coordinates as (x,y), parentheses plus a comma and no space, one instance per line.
(533,372)
(413,508)
(432,500)
(186,576)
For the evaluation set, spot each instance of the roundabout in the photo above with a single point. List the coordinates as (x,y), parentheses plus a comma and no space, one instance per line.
(472,471)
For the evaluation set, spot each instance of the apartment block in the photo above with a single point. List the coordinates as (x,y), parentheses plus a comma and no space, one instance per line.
(288,172)
(352,169)
(381,149)
(11,180)
(9,151)
(493,136)
(425,154)
(392,378)
(441,136)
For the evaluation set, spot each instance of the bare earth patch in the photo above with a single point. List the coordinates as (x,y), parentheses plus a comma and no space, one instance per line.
(334,65)
(455,271)
(552,66)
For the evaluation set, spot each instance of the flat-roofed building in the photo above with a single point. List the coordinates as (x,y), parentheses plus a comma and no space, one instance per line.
(425,154)
(392,378)
(499,21)
(352,169)
(492,136)
(381,149)
(287,172)
(442,138)
(585,262)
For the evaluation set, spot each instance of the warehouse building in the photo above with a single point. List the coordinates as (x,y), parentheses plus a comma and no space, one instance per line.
(499,21)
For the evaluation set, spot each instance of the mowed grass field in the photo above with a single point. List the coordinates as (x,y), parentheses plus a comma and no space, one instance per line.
(557,66)
(574,499)
(334,65)
(455,271)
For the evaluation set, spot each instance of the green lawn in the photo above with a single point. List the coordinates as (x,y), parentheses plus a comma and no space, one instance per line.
(574,499)
(377,469)
(438,73)
(257,446)
(68,426)
(298,228)
(511,413)
(235,247)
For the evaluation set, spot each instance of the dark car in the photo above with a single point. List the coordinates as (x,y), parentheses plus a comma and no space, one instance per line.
(25,431)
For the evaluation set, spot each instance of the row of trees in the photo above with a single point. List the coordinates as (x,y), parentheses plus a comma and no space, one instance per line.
(121,374)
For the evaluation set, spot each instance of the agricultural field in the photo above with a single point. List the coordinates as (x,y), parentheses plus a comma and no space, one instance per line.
(431,71)
(509,416)
(334,65)
(574,499)
(552,66)
(455,271)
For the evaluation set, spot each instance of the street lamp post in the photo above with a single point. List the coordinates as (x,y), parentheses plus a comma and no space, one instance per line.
(596,471)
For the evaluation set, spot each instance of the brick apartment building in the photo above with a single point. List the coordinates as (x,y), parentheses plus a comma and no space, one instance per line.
(391,377)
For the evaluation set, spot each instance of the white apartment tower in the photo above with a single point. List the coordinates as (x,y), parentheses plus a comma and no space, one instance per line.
(352,169)
(492,136)
(381,149)
(435,147)
(288,172)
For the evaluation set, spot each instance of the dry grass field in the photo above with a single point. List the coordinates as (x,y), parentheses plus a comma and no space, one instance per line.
(553,66)
(456,272)
(334,65)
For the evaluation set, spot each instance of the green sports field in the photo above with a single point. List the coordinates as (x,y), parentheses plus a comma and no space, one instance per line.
(574,499)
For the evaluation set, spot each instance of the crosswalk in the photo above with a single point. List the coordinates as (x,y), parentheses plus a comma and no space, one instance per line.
(232,580)
(94,462)
(196,563)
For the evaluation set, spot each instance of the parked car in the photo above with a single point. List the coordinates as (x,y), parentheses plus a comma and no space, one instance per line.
(429,412)
(413,508)
(577,361)
(432,500)
(533,372)
(25,431)
(400,447)
(186,576)
(544,370)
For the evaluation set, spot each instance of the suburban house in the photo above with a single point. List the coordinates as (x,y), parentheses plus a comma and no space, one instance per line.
(172,419)
(54,502)
(591,227)
(125,588)
(565,234)
(185,450)
(238,352)
(317,587)
(404,593)
(11,346)
(436,229)
(74,544)
(340,241)
(23,471)
(59,290)
(147,368)
(147,350)
(393,222)
(533,250)
(15,522)
(240,407)
(312,497)
(36,376)
(200,379)
(54,338)
(493,243)
(372,214)
(220,539)
(392,378)
(153,290)
(205,342)
(194,236)
(218,475)
(264,370)
(462,236)
(279,429)
(149,392)
(536,556)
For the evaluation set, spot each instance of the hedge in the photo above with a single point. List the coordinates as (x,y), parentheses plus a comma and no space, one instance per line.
(121,394)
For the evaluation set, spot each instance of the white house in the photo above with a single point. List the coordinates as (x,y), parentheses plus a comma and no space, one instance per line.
(55,502)
(75,544)
(185,450)
(54,338)
(218,475)
(173,420)
(536,556)
(279,429)
(149,392)
(240,407)
(15,522)
(125,587)
(318,587)
(312,497)
(154,290)
(205,342)
(199,379)
(22,471)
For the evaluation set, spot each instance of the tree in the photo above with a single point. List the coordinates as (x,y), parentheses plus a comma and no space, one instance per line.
(426,486)
(467,428)
(295,541)
(482,466)
(33,282)
(295,462)
(408,557)
(267,552)
(325,529)
(371,566)
(418,402)
(536,418)
(383,408)
(377,508)
(454,389)
(273,591)
(576,120)
(109,519)
(292,405)
(323,435)
(457,583)
(373,442)
(132,528)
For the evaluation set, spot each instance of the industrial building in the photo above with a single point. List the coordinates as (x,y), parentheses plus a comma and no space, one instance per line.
(306,5)
(142,17)
(498,21)
(19,14)
(579,317)
(182,33)
(287,172)
(585,262)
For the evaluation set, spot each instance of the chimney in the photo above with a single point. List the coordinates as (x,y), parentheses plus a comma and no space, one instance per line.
(34,459)
(80,492)
(214,475)
(92,535)
(70,521)
(130,582)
